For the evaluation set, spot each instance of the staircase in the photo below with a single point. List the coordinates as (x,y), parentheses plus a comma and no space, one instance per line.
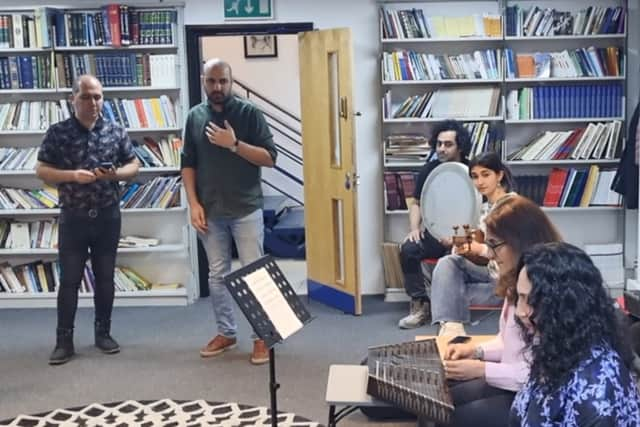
(282,185)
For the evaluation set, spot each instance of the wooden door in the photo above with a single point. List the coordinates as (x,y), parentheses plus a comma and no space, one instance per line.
(330,179)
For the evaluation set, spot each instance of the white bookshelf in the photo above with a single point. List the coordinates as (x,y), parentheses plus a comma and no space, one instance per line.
(174,259)
(605,223)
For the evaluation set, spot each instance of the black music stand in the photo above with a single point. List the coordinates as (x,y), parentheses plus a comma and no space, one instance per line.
(271,306)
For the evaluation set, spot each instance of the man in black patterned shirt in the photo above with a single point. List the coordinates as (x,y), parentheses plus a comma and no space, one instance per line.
(86,156)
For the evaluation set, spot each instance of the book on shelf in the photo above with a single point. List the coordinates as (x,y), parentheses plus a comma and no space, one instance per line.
(39,234)
(581,62)
(536,21)
(447,103)
(399,188)
(391,263)
(138,113)
(407,147)
(415,23)
(44,277)
(117,68)
(566,102)
(595,141)
(409,65)
(137,242)
(581,188)
(113,25)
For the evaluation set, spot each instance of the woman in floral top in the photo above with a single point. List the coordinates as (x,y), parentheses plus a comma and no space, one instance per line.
(577,376)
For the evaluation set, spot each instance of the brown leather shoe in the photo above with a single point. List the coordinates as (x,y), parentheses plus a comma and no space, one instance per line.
(217,345)
(260,353)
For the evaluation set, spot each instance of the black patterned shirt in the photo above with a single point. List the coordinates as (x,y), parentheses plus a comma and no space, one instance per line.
(69,145)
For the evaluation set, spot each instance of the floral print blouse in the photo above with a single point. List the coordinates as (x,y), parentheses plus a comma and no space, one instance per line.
(600,392)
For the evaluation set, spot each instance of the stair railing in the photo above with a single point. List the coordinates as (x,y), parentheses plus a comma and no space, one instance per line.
(284,129)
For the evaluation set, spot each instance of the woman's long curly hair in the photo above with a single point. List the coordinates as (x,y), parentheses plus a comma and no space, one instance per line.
(570,311)
(520,223)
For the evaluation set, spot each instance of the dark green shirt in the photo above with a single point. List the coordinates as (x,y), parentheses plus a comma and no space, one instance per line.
(227,185)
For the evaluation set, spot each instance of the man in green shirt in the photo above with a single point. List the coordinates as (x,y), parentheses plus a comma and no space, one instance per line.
(226,142)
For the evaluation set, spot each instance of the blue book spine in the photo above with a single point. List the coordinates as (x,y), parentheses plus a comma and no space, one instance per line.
(26,72)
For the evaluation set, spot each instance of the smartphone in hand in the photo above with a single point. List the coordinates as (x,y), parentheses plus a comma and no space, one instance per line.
(106,166)
(460,339)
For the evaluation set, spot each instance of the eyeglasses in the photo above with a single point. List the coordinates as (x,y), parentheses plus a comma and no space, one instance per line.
(493,245)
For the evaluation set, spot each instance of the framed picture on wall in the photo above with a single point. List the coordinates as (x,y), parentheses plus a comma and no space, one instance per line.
(260,46)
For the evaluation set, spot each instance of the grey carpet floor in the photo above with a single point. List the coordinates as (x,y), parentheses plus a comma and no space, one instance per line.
(160,359)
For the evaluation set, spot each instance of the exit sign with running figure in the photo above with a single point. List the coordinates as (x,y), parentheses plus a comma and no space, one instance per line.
(248,9)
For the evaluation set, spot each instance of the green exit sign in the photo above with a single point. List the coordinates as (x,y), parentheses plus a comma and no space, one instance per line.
(248,9)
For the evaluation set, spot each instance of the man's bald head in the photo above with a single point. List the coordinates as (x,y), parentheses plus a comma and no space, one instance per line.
(217,81)
(84,79)
(216,63)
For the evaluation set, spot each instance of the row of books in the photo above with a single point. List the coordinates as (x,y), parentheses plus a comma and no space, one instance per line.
(536,22)
(41,234)
(141,112)
(561,102)
(121,69)
(162,153)
(19,198)
(115,25)
(44,277)
(561,188)
(444,103)
(595,141)
(12,158)
(581,187)
(581,62)
(26,72)
(131,113)
(413,23)
(398,189)
(25,30)
(484,137)
(151,153)
(160,192)
(415,147)
(112,25)
(411,65)
(406,147)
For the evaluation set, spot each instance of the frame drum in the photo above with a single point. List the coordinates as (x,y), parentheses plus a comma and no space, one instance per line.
(449,198)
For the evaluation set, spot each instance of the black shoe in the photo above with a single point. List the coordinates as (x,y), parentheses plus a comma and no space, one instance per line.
(64,350)
(104,341)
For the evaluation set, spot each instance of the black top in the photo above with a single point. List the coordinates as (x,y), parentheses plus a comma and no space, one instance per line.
(69,145)
(424,172)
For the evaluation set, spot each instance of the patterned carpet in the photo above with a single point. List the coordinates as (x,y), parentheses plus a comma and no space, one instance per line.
(165,413)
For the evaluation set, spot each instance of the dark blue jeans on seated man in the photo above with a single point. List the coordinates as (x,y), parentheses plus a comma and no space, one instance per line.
(87,234)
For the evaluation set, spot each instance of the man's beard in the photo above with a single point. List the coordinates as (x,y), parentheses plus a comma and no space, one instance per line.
(220,100)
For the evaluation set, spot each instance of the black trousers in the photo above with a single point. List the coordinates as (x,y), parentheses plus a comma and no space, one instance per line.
(84,234)
(479,404)
(411,256)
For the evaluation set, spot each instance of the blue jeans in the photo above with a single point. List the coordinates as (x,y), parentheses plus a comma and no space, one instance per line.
(248,234)
(458,283)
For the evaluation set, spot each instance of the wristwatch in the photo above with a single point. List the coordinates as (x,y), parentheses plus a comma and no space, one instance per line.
(234,147)
(478,353)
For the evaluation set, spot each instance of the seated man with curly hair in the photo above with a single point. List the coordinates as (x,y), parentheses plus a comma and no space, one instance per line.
(580,373)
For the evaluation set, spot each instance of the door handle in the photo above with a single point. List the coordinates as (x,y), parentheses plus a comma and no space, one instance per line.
(343,107)
(351,179)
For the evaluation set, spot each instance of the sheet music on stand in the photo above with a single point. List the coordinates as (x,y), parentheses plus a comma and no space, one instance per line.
(267,300)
